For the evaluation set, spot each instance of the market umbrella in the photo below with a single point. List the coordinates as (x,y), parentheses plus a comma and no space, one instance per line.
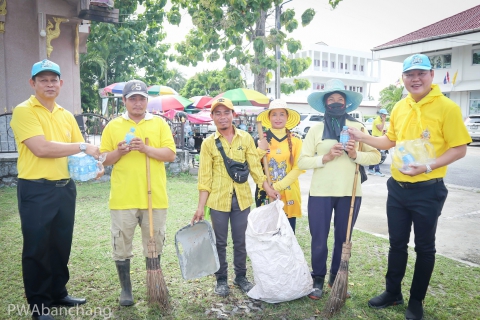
(159,90)
(114,88)
(243,97)
(199,101)
(165,103)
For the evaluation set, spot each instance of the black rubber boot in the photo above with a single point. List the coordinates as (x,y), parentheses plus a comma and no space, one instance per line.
(331,280)
(123,270)
(317,292)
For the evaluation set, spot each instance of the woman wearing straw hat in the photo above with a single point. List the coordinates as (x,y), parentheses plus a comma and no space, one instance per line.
(282,158)
(333,176)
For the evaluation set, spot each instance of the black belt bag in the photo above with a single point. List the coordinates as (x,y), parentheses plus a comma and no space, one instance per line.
(236,170)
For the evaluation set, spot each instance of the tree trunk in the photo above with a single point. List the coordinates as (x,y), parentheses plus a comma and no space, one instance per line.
(259,82)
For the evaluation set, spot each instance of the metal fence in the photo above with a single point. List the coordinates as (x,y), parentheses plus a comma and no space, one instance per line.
(7,139)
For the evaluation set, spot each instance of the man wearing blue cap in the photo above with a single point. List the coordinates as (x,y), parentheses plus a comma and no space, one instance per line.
(46,134)
(416,194)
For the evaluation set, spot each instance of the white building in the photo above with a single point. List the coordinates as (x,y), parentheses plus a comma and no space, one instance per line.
(453,46)
(357,70)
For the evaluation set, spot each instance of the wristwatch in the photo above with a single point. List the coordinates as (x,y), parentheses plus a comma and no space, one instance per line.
(83,147)
(428,169)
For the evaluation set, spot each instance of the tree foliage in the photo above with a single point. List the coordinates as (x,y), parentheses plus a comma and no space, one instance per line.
(390,95)
(210,83)
(123,50)
(236,30)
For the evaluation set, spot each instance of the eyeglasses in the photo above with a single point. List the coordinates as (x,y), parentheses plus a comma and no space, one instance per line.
(413,75)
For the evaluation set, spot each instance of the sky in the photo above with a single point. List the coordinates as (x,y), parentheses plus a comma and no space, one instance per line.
(354,24)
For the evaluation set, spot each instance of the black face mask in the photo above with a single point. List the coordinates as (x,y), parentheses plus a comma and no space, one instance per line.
(335,109)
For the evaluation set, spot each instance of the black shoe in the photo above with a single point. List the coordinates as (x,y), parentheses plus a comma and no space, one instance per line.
(414,310)
(386,299)
(222,288)
(69,301)
(317,292)
(43,317)
(243,283)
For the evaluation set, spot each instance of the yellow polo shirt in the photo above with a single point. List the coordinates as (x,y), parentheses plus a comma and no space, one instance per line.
(213,176)
(375,131)
(129,175)
(435,113)
(29,119)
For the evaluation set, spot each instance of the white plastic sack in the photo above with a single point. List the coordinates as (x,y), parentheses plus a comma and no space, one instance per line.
(279,267)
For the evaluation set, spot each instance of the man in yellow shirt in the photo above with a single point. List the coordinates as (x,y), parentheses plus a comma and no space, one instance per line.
(46,134)
(416,196)
(128,194)
(227,199)
(378,129)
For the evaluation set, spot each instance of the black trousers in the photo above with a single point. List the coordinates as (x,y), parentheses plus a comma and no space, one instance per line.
(47,215)
(421,207)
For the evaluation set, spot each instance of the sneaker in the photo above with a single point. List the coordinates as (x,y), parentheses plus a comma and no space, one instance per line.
(386,299)
(243,283)
(379,174)
(414,310)
(370,172)
(222,288)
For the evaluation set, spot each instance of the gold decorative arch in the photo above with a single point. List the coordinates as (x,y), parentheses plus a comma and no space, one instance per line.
(53,32)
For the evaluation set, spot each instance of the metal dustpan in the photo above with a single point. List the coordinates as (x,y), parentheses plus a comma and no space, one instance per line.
(196,250)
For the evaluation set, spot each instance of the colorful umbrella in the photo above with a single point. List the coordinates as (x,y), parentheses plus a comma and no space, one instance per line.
(199,101)
(159,90)
(243,97)
(165,103)
(114,88)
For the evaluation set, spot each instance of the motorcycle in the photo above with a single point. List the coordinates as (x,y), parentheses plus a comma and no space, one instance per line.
(383,155)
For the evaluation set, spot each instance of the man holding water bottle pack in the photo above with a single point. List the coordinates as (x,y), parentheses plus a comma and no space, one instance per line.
(416,193)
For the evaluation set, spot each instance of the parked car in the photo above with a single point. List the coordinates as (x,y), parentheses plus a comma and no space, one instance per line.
(306,122)
(473,126)
(368,124)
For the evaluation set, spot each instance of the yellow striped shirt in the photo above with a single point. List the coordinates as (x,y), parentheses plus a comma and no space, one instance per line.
(213,176)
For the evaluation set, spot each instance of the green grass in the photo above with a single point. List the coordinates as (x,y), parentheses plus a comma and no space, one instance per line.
(454,291)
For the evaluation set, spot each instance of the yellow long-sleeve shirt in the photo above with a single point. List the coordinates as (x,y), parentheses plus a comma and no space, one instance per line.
(213,176)
(334,178)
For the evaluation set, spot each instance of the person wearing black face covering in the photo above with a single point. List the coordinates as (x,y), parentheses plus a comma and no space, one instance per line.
(333,176)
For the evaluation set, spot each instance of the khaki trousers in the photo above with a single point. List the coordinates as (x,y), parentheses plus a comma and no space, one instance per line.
(123,230)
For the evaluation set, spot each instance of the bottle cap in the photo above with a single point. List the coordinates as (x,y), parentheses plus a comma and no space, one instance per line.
(345,127)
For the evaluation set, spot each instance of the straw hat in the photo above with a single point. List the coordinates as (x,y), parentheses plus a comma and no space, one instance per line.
(293,116)
(317,99)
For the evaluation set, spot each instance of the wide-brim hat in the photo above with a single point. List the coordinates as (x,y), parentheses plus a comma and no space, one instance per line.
(317,99)
(293,116)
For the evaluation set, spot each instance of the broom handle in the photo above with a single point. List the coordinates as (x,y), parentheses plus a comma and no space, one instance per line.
(354,192)
(264,159)
(149,191)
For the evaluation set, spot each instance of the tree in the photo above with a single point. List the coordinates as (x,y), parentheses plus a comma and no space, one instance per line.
(237,30)
(389,96)
(209,83)
(132,45)
(177,80)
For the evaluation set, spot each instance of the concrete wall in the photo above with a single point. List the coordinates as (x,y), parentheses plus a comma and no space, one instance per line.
(21,46)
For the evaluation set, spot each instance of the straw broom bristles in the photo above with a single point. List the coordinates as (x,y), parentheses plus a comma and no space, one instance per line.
(338,295)
(157,292)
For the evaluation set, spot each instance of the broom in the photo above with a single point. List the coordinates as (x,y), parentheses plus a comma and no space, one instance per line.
(157,292)
(264,159)
(338,295)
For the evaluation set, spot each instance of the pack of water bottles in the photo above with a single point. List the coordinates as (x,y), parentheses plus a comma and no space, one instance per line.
(416,152)
(84,167)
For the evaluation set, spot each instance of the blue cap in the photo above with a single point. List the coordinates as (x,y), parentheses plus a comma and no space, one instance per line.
(45,65)
(383,111)
(417,62)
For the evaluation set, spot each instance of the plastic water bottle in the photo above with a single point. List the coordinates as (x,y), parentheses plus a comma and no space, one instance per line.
(407,158)
(344,136)
(130,135)
(82,167)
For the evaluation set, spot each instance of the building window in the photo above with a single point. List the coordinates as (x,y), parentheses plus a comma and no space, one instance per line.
(476,56)
(322,86)
(341,65)
(333,64)
(359,89)
(441,61)
(269,90)
(351,88)
(361,68)
(346,66)
(325,63)
(317,86)
(354,67)
(317,63)
(474,102)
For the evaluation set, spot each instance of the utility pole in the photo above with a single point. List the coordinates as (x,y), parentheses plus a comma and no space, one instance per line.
(278,54)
